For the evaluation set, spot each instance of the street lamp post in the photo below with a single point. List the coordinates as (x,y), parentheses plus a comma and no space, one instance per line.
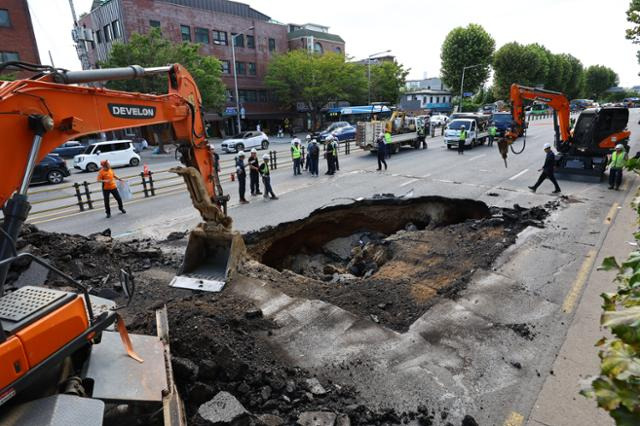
(369,71)
(462,84)
(235,74)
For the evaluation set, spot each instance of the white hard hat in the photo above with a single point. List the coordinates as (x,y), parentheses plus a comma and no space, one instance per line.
(294,141)
(546,145)
(253,151)
(381,134)
(241,154)
(308,136)
(619,146)
(265,157)
(463,127)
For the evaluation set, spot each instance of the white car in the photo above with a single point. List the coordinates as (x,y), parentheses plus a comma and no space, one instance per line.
(439,120)
(118,153)
(244,140)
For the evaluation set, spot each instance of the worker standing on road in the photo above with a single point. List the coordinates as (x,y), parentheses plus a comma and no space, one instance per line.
(616,163)
(548,170)
(296,154)
(329,156)
(381,152)
(314,157)
(307,164)
(334,147)
(266,177)
(254,173)
(109,187)
(242,177)
(422,136)
(387,140)
(492,133)
(462,140)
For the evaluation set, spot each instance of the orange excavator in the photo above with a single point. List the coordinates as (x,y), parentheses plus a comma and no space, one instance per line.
(583,150)
(49,338)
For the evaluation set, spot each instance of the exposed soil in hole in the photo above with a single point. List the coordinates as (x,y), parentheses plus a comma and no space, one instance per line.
(386,259)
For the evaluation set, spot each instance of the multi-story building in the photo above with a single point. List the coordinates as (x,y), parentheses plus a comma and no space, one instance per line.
(17,41)
(314,38)
(427,94)
(212,23)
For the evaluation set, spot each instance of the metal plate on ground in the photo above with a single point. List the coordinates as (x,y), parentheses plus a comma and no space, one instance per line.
(119,378)
(195,283)
(56,410)
(27,300)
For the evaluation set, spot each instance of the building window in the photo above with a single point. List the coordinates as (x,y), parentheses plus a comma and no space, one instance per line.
(252,96)
(438,99)
(185,32)
(220,37)
(242,95)
(338,49)
(262,96)
(229,95)
(226,66)
(238,39)
(272,45)
(99,37)
(115,27)
(9,56)
(241,68)
(154,24)
(431,99)
(252,68)
(5,21)
(202,35)
(317,48)
(251,42)
(108,36)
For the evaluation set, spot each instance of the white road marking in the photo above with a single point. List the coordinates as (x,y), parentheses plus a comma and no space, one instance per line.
(409,182)
(476,157)
(444,180)
(514,177)
(427,175)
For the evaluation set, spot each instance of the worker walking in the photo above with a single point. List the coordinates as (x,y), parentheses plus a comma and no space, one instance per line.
(492,133)
(266,177)
(242,177)
(314,157)
(381,152)
(109,187)
(296,154)
(331,164)
(547,170)
(387,140)
(254,173)
(462,140)
(616,164)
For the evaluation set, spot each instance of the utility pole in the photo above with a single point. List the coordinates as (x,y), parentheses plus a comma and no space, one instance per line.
(462,85)
(79,37)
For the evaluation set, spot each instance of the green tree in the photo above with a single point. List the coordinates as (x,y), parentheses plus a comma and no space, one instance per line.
(387,80)
(152,50)
(598,79)
(465,47)
(575,81)
(515,63)
(315,80)
(633,16)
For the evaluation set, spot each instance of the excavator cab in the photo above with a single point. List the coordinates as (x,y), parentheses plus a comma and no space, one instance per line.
(599,130)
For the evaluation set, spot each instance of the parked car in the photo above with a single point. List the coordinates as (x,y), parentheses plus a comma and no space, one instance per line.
(52,169)
(69,149)
(347,133)
(322,135)
(118,153)
(242,141)
(437,120)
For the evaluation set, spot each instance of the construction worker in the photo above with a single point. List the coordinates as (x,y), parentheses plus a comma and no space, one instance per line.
(547,170)
(254,173)
(335,147)
(307,163)
(493,130)
(462,139)
(331,164)
(296,154)
(422,136)
(616,163)
(382,146)
(108,179)
(387,140)
(314,157)
(266,177)
(242,176)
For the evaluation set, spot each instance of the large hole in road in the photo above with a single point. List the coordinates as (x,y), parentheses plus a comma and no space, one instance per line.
(387,259)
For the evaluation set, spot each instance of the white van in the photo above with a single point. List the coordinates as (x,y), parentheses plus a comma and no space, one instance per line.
(118,153)
(475,135)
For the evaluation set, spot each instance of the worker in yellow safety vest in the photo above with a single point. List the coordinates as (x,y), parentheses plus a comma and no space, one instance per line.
(296,155)
(616,164)
(462,139)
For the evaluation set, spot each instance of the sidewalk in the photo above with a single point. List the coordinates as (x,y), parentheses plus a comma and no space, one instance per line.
(559,402)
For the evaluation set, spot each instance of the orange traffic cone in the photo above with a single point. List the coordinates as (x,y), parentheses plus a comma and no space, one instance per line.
(145,170)
(233,177)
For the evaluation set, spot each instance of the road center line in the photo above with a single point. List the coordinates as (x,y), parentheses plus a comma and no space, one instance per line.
(514,419)
(608,219)
(409,182)
(476,157)
(514,177)
(583,273)
(426,176)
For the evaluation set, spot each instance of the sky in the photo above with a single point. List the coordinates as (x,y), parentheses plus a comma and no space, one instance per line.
(591,30)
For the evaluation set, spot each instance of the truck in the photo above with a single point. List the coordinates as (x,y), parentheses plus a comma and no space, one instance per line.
(475,124)
(403,129)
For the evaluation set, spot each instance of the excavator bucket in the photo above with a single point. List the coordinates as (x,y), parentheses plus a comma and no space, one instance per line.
(213,250)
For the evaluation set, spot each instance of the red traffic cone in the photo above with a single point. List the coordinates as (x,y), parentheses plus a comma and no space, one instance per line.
(233,177)
(145,170)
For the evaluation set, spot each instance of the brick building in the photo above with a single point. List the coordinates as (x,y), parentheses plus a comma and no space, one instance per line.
(17,41)
(212,24)
(314,38)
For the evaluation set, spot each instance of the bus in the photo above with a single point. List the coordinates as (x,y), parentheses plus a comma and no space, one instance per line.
(354,114)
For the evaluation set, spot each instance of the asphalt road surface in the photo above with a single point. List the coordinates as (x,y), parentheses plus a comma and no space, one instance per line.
(458,355)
